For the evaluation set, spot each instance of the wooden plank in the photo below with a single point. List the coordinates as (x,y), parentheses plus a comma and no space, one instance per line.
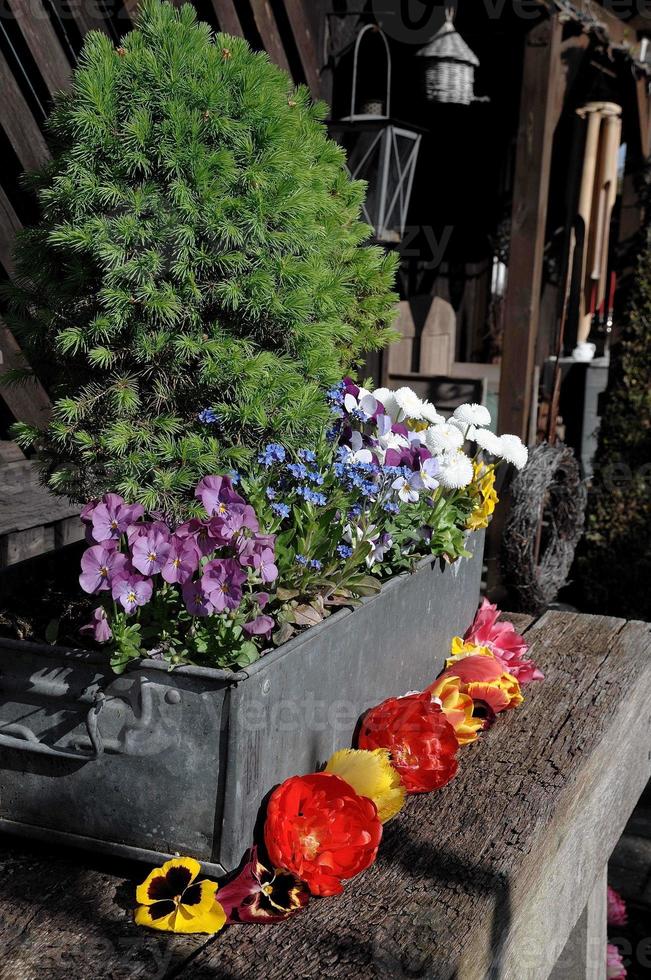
(398,357)
(10,452)
(618,30)
(18,122)
(227,17)
(28,402)
(484,879)
(542,77)
(584,956)
(9,225)
(43,43)
(305,42)
(268,30)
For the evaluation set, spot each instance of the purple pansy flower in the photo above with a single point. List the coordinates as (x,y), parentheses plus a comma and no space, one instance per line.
(222,580)
(98,626)
(197,601)
(150,551)
(260,626)
(428,472)
(200,532)
(111,517)
(237,517)
(99,566)
(132,591)
(262,598)
(408,486)
(182,560)
(216,493)
(258,553)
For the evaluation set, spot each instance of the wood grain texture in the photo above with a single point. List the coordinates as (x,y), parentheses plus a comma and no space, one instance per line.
(268,29)
(9,225)
(28,402)
(304,36)
(541,80)
(227,17)
(43,43)
(484,879)
(18,122)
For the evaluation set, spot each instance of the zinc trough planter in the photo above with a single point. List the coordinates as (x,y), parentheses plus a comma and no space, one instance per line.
(157,762)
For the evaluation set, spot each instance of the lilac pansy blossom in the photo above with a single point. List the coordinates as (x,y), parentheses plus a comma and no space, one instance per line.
(132,591)
(150,551)
(99,567)
(260,626)
(197,601)
(200,533)
(408,487)
(98,626)
(112,516)
(182,560)
(216,493)
(222,580)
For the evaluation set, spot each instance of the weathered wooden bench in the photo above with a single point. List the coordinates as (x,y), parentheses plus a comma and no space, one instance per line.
(501,875)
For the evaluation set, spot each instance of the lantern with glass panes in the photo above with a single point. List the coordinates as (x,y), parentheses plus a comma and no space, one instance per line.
(381,151)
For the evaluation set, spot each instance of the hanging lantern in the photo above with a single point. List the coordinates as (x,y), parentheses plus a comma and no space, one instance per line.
(449,66)
(381,151)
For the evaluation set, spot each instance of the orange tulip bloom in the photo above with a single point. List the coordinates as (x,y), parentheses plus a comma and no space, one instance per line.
(484,679)
(457,708)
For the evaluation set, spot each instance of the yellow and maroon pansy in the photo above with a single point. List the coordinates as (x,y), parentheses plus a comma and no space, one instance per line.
(172,900)
(262,894)
(457,708)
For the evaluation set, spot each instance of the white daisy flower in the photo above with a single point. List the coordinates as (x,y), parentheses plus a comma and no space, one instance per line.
(443,438)
(513,450)
(388,399)
(429,413)
(468,431)
(455,470)
(473,414)
(409,403)
(487,440)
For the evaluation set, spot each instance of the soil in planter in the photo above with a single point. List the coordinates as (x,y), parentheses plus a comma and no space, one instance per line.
(40,600)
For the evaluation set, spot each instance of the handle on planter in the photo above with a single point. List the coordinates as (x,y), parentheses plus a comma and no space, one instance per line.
(16,736)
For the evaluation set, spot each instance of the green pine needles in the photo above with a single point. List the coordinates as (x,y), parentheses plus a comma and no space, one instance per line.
(200,248)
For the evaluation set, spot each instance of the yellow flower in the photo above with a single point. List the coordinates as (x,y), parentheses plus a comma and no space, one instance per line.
(370,774)
(485,497)
(457,707)
(417,425)
(171,900)
(460,649)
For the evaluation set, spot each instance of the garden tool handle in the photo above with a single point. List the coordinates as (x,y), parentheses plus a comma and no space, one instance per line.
(17,736)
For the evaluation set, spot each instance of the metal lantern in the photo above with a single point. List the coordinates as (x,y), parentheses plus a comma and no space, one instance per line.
(449,66)
(381,151)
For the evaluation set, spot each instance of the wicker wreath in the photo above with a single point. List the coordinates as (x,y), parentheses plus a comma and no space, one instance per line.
(544,525)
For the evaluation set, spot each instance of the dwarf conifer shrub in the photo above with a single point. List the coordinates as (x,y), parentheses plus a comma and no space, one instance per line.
(614,562)
(199,277)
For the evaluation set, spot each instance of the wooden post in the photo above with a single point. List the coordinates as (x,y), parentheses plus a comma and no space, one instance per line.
(584,955)
(542,77)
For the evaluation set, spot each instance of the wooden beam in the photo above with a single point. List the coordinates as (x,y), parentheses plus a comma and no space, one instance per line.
(305,42)
(43,43)
(268,30)
(619,32)
(17,120)
(644,113)
(542,76)
(28,402)
(9,225)
(227,17)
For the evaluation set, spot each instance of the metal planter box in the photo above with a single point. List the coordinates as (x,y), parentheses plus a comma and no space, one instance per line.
(160,762)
